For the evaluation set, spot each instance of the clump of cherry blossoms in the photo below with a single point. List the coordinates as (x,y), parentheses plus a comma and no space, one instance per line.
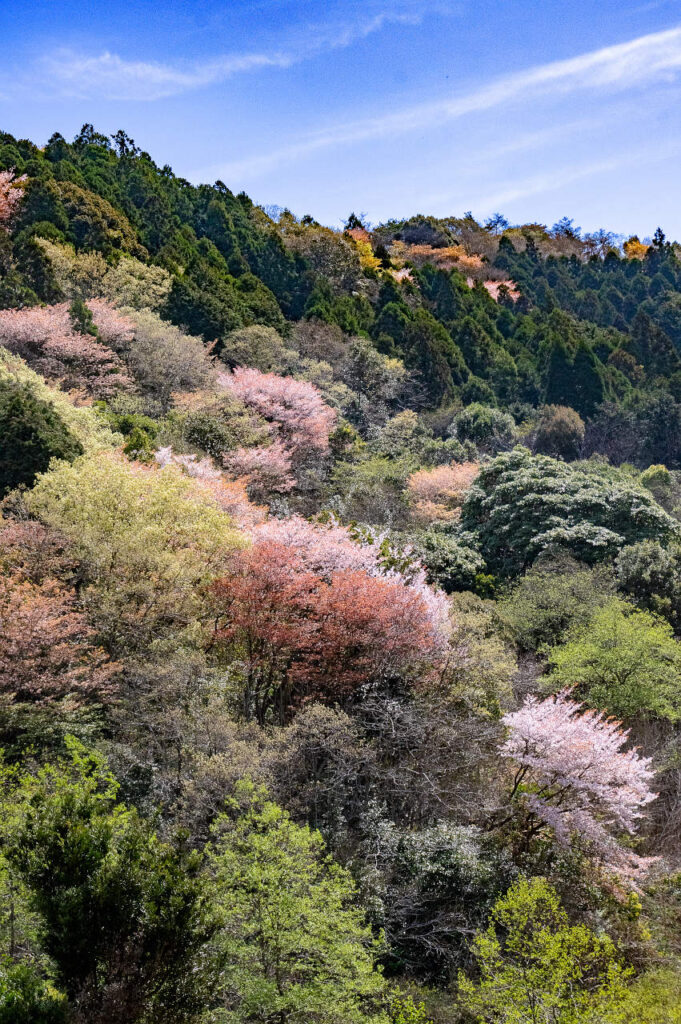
(11,194)
(47,339)
(437,494)
(576,775)
(300,424)
(230,495)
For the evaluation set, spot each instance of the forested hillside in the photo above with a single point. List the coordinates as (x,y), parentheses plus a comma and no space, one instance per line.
(340,603)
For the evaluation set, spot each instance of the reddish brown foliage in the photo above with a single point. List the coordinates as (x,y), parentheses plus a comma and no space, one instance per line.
(46,649)
(304,637)
(34,552)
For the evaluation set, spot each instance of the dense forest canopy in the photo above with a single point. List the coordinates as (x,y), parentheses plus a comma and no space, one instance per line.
(340,610)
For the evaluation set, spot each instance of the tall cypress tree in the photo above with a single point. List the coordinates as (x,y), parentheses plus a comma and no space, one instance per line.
(589,389)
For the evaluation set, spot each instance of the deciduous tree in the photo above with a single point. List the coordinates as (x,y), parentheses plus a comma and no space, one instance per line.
(294,943)
(11,194)
(624,661)
(535,966)
(300,636)
(148,538)
(297,409)
(46,338)
(574,777)
(47,648)
(437,494)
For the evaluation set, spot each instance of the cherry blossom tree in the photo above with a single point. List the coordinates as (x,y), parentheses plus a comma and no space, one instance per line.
(115,329)
(437,494)
(46,645)
(266,468)
(297,409)
(230,495)
(299,422)
(323,548)
(45,337)
(573,775)
(11,194)
(329,548)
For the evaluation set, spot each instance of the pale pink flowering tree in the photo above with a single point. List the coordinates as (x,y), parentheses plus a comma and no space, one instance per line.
(11,194)
(266,468)
(116,330)
(201,469)
(230,495)
(45,338)
(323,548)
(574,776)
(437,494)
(295,407)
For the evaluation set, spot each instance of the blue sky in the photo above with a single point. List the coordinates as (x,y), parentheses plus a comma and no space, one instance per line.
(389,107)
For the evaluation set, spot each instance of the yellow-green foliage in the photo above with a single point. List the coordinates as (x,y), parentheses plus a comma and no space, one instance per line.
(84,423)
(481,675)
(625,661)
(150,539)
(543,968)
(654,998)
(86,275)
(294,943)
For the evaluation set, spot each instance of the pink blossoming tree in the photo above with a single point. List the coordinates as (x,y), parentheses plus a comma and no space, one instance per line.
(573,775)
(296,408)
(11,194)
(267,468)
(45,337)
(230,495)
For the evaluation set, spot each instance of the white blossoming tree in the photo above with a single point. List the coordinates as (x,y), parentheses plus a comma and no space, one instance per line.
(574,776)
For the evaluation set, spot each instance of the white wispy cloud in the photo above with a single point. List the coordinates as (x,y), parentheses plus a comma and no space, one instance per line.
(552,179)
(556,180)
(549,181)
(114,77)
(623,66)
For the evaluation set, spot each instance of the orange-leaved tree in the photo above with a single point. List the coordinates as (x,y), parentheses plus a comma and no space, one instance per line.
(300,636)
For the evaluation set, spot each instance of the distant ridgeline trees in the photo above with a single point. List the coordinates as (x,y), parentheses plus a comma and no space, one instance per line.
(573,321)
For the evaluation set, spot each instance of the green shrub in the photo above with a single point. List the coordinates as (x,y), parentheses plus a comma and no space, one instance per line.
(487,427)
(449,562)
(25,998)
(560,432)
(552,598)
(31,434)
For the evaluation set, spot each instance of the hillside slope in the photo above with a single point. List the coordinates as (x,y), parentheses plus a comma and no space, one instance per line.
(340,610)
